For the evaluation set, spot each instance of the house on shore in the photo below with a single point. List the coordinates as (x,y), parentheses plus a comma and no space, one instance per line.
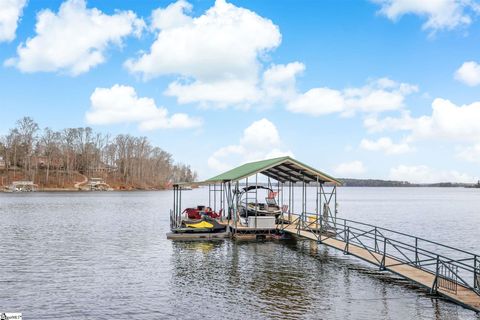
(23,186)
(98,184)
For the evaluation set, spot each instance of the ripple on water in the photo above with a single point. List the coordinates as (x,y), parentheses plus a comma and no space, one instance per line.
(105,256)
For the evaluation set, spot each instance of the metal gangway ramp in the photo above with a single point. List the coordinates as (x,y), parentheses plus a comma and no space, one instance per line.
(449,272)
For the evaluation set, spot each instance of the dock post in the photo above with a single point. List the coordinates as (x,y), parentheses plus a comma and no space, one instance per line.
(416,251)
(476,274)
(335,208)
(256,200)
(434,288)
(347,240)
(179,204)
(382,263)
(320,223)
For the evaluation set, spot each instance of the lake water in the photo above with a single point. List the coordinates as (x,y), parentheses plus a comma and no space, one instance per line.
(105,256)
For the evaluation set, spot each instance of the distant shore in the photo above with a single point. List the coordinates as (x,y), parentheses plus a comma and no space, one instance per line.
(349,182)
(347,185)
(85,190)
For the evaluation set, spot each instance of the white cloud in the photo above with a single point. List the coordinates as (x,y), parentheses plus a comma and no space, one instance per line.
(470,153)
(317,102)
(377,96)
(218,94)
(381,95)
(440,14)
(425,174)
(75,39)
(469,73)
(218,60)
(259,141)
(279,81)
(385,145)
(120,104)
(10,13)
(403,123)
(172,16)
(217,51)
(349,169)
(447,121)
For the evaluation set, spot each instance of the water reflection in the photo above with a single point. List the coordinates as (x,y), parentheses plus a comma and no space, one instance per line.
(246,274)
(291,280)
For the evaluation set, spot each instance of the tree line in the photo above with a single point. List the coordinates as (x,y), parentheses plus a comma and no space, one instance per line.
(54,157)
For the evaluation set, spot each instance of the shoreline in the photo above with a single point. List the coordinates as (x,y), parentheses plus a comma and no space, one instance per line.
(76,190)
(53,190)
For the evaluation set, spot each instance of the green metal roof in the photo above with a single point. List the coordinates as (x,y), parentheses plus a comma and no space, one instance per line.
(282,169)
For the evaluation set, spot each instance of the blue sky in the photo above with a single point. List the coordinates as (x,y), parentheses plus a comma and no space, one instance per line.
(382,89)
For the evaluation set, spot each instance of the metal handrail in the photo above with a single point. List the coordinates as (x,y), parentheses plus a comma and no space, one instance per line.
(408,235)
(396,232)
(350,231)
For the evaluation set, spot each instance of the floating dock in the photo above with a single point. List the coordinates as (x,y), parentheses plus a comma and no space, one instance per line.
(197,236)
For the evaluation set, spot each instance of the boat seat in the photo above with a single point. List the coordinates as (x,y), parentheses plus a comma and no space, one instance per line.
(271,201)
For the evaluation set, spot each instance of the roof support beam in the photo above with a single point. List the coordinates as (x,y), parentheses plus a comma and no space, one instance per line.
(299,171)
(286,174)
(278,178)
(294,173)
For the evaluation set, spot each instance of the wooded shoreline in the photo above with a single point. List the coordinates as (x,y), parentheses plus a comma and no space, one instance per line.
(68,158)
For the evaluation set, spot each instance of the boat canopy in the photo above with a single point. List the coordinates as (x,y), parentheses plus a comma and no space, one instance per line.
(246,189)
(283,169)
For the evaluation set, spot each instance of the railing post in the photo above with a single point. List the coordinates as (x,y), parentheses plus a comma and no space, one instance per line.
(434,288)
(319,221)
(320,231)
(299,221)
(345,250)
(476,274)
(344,230)
(376,245)
(382,264)
(416,251)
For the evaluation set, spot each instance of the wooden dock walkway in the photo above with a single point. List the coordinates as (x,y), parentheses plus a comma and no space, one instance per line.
(446,286)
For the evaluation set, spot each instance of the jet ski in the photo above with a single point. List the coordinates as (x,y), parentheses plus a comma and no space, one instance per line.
(200,211)
(203,225)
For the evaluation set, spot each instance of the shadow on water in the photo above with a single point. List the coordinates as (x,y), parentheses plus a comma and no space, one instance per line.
(241,276)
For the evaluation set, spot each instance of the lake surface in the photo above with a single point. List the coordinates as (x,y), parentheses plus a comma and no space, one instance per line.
(105,256)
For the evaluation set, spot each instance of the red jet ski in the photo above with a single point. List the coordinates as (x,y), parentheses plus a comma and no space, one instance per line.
(201,211)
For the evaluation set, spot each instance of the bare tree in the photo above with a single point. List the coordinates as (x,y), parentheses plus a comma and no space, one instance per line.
(126,159)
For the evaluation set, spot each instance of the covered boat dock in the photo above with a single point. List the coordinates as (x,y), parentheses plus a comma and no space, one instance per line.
(301,201)
(286,185)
